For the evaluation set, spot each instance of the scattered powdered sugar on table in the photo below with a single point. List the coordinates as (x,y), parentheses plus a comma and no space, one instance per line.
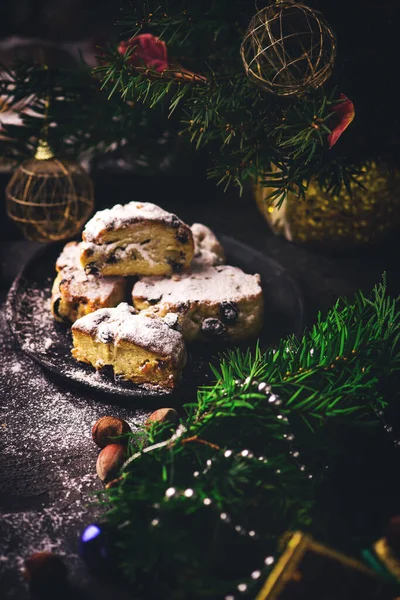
(47,464)
(40,300)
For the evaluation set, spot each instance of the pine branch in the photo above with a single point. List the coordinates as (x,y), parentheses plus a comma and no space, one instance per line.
(195,513)
(247,131)
(77,106)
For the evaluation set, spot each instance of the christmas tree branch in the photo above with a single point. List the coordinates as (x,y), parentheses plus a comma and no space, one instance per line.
(243,467)
(77,108)
(249,134)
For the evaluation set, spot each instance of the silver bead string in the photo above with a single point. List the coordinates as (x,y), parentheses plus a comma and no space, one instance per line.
(254,576)
(243,587)
(388,428)
(181,429)
(275,402)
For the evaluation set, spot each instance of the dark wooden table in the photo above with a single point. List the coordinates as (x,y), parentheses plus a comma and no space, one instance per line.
(47,459)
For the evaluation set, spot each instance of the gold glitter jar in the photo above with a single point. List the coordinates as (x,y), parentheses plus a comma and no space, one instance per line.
(338,221)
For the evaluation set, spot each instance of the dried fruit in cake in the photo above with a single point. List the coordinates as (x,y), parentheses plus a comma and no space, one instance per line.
(207,248)
(75,294)
(138,348)
(212,303)
(138,238)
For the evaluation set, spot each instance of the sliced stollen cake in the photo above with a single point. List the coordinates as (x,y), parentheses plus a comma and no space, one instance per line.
(212,303)
(75,294)
(69,257)
(139,348)
(207,249)
(138,238)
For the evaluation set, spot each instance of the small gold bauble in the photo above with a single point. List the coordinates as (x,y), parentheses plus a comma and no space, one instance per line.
(338,221)
(288,48)
(49,199)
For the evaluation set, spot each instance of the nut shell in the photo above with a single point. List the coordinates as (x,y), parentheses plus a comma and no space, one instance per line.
(162,415)
(110,461)
(107,429)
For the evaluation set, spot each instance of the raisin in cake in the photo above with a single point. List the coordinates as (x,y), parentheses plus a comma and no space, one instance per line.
(207,249)
(138,348)
(212,303)
(75,294)
(136,239)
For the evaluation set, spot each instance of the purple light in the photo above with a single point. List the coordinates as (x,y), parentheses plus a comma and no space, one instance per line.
(91,532)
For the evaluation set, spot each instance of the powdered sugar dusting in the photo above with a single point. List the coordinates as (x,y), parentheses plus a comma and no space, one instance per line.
(122,324)
(200,283)
(50,342)
(95,289)
(77,284)
(47,464)
(123,215)
(35,338)
(70,256)
(207,248)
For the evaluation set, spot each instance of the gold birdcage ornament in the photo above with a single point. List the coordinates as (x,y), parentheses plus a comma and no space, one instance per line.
(48,198)
(338,221)
(288,48)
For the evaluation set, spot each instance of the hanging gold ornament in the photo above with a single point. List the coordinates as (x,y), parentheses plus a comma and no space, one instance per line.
(338,221)
(49,199)
(288,48)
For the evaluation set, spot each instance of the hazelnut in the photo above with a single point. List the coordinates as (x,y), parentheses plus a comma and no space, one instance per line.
(107,429)
(162,415)
(110,461)
(45,571)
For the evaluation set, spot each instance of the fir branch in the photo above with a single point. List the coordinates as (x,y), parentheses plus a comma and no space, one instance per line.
(183,511)
(76,107)
(247,131)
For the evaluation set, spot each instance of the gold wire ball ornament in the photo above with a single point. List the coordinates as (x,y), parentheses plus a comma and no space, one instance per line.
(338,221)
(288,48)
(49,199)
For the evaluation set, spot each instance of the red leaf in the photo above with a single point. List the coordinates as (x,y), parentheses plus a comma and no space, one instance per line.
(147,51)
(344,114)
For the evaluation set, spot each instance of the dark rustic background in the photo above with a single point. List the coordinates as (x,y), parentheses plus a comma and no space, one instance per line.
(32,474)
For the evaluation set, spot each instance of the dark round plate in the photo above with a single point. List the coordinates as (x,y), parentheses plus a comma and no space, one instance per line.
(49,343)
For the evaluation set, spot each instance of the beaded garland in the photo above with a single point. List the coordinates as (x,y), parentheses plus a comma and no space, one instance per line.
(93,548)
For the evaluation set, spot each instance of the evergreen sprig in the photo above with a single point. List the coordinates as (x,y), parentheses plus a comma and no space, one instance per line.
(83,122)
(250,134)
(196,514)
